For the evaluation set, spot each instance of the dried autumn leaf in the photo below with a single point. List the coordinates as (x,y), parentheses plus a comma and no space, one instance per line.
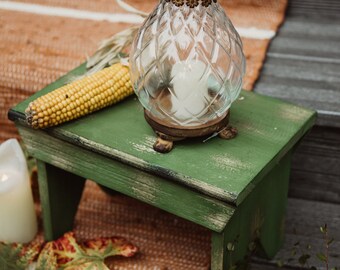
(47,259)
(30,252)
(17,256)
(67,250)
(109,246)
(91,255)
(97,265)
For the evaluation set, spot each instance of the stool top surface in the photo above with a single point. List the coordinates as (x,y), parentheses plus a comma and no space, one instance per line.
(226,170)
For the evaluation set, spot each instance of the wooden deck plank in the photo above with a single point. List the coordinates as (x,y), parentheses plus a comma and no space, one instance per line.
(303,61)
(307,44)
(303,222)
(312,8)
(316,167)
(303,66)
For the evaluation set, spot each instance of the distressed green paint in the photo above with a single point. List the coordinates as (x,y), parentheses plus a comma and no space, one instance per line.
(164,194)
(259,218)
(226,170)
(234,188)
(60,193)
(219,253)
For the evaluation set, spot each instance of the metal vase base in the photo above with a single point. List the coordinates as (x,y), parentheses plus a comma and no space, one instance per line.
(167,134)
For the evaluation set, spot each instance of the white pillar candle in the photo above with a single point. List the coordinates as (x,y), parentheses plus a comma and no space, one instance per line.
(18,221)
(190,86)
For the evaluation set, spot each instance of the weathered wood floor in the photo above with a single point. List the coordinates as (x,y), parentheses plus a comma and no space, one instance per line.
(304,218)
(303,66)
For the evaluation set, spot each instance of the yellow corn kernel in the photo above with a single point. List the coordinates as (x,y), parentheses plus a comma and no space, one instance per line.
(91,93)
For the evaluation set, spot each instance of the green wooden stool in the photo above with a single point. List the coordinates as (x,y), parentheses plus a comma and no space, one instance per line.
(237,189)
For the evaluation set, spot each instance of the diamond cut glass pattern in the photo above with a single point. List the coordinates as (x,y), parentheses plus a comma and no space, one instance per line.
(187,64)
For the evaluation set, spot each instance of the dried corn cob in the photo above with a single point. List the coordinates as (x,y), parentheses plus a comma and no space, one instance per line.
(80,97)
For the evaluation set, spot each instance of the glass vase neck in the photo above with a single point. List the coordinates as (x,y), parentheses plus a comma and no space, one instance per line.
(190,3)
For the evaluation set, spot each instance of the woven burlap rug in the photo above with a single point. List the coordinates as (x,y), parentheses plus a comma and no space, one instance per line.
(165,241)
(37,49)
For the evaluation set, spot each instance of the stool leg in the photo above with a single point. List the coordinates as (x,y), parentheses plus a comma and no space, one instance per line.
(60,193)
(218,251)
(272,230)
(228,248)
(257,226)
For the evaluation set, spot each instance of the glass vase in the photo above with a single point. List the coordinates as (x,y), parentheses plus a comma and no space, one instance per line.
(187,63)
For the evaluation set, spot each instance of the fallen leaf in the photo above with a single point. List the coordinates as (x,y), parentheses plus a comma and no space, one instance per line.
(17,256)
(110,246)
(66,249)
(91,254)
(47,259)
(89,265)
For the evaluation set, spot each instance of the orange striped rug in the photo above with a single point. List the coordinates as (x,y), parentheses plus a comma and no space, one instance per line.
(36,49)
